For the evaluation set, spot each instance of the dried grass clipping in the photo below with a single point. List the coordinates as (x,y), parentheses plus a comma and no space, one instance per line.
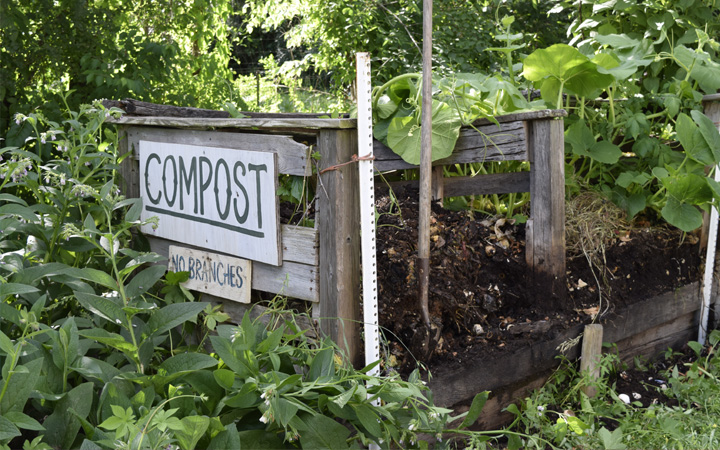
(591,222)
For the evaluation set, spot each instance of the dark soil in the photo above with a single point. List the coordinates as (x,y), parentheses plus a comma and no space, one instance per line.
(479,294)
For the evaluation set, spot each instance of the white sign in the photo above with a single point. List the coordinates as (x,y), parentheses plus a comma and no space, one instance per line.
(220,275)
(215,198)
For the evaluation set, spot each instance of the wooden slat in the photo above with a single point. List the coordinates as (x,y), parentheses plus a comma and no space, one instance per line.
(545,230)
(451,387)
(493,183)
(300,244)
(337,217)
(590,355)
(251,123)
(130,184)
(292,156)
(525,116)
(493,143)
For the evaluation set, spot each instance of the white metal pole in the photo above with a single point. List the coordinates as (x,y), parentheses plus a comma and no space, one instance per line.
(709,270)
(367,212)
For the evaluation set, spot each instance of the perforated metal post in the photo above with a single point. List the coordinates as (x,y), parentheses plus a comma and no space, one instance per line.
(367,211)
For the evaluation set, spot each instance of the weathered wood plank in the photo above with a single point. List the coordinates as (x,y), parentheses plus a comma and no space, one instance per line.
(136,107)
(525,116)
(245,124)
(644,315)
(294,279)
(129,174)
(590,355)
(292,156)
(657,339)
(545,230)
(493,183)
(454,386)
(300,244)
(493,143)
(338,213)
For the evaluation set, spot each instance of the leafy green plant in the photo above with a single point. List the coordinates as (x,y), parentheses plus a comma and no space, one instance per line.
(562,413)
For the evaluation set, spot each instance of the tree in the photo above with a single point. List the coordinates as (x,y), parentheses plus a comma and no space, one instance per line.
(170,51)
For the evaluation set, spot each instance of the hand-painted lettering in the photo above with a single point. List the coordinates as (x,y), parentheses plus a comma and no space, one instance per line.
(151,157)
(188,181)
(170,201)
(257,168)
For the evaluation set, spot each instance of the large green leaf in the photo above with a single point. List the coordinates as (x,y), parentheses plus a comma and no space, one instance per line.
(7,289)
(703,69)
(404,133)
(188,362)
(95,369)
(62,425)
(284,410)
(18,210)
(227,439)
(563,67)
(693,141)
(682,215)
(368,419)
(95,276)
(709,132)
(111,339)
(552,62)
(323,364)
(8,430)
(194,429)
(23,421)
(144,280)
(476,407)
(104,307)
(20,386)
(605,152)
(688,188)
(173,315)
(323,433)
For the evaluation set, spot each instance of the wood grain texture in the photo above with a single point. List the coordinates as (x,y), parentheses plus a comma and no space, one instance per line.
(590,354)
(240,124)
(494,183)
(130,178)
(337,217)
(545,230)
(451,386)
(292,156)
(492,143)
(136,107)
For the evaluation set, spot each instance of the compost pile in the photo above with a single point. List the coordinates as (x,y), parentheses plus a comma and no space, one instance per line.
(478,289)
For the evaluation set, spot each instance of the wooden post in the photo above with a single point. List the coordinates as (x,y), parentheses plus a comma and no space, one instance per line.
(438,183)
(423,259)
(337,219)
(129,171)
(545,235)
(590,356)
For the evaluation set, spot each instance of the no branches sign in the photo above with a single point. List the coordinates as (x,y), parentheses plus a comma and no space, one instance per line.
(213,198)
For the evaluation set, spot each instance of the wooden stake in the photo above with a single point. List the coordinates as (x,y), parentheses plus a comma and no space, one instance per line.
(590,356)
(425,166)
